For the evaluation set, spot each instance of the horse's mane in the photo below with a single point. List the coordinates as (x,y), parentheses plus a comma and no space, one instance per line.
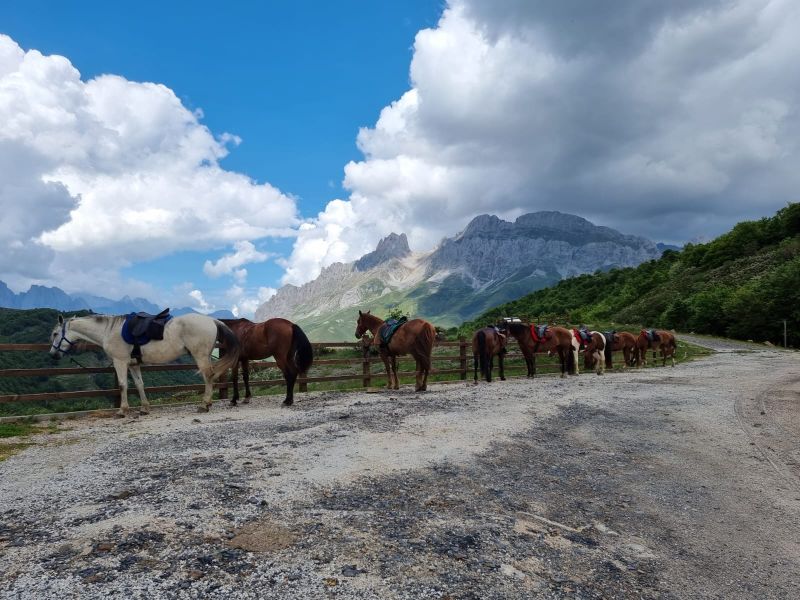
(515,328)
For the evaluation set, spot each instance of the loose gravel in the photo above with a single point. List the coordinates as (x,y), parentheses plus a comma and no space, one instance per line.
(657,483)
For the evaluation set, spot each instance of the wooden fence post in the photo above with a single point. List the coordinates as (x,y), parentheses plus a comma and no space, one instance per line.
(366,371)
(462,352)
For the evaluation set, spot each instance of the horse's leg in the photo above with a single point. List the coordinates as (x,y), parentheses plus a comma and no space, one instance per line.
(136,373)
(474,365)
(575,354)
(500,364)
(246,379)
(417,374)
(235,379)
(290,375)
(489,368)
(206,370)
(562,358)
(121,368)
(394,373)
(387,363)
(601,363)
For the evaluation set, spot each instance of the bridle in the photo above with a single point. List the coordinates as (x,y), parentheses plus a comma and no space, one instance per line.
(57,345)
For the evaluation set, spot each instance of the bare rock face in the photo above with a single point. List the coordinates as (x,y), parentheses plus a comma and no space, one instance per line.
(492,261)
(392,246)
(490,248)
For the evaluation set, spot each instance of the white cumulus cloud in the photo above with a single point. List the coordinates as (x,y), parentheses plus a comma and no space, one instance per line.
(244,253)
(669,119)
(101,173)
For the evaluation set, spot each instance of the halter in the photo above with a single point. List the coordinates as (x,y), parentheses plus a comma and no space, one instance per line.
(57,345)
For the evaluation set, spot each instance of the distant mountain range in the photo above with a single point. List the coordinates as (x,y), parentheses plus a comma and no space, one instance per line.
(491,262)
(39,296)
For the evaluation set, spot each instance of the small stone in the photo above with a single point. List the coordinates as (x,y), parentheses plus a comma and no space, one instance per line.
(196,574)
(351,571)
(330,581)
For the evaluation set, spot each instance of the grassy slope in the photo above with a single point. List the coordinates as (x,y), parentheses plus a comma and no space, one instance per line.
(741,285)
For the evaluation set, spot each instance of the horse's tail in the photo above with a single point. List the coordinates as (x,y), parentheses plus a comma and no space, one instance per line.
(301,352)
(571,364)
(230,343)
(424,345)
(482,352)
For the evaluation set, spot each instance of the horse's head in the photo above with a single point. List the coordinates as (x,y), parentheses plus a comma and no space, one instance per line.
(60,344)
(362,325)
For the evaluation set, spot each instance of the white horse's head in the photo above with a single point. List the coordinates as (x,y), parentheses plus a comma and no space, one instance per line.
(60,342)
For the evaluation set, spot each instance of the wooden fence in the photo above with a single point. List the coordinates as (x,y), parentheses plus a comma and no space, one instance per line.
(367,370)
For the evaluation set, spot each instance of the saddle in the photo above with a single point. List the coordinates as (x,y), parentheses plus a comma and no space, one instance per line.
(389,328)
(651,335)
(611,336)
(540,333)
(140,328)
(583,335)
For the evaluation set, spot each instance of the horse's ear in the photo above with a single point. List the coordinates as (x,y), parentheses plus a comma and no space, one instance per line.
(60,319)
(360,314)
(369,311)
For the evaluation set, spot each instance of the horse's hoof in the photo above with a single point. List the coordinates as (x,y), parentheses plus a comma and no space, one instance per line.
(120,415)
(246,401)
(143,413)
(234,403)
(502,379)
(287,402)
(203,409)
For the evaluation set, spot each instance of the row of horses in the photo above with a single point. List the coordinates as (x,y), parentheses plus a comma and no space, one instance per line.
(598,347)
(240,341)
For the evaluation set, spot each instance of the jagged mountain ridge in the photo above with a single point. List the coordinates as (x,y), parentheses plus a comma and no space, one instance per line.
(492,261)
(39,296)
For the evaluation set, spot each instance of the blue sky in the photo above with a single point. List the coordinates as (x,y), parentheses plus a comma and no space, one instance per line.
(295,80)
(325,126)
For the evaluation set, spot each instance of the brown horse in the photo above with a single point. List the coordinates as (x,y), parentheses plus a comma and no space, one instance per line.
(279,338)
(486,344)
(664,341)
(620,340)
(594,354)
(414,337)
(557,339)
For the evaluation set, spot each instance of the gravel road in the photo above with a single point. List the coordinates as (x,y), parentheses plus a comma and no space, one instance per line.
(661,483)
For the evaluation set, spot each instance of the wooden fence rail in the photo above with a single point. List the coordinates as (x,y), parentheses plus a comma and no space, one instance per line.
(367,370)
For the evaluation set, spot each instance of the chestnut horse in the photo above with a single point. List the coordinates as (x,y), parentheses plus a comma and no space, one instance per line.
(594,354)
(624,341)
(414,337)
(486,344)
(557,340)
(665,344)
(279,338)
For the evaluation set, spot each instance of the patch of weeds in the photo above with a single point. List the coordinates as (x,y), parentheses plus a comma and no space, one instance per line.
(17,429)
(8,450)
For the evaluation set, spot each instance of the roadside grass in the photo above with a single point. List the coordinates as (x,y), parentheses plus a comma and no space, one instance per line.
(21,429)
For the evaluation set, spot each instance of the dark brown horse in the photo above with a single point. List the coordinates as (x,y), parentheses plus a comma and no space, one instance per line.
(486,344)
(414,337)
(594,354)
(664,341)
(557,339)
(279,338)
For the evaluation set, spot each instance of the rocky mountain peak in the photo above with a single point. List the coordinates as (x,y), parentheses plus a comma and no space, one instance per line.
(392,246)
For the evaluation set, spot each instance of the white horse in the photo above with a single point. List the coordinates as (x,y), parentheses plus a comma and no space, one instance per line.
(192,333)
(597,350)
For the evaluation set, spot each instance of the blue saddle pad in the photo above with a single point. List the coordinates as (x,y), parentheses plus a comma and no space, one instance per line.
(388,329)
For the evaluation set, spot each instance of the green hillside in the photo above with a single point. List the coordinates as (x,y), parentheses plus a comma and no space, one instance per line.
(741,285)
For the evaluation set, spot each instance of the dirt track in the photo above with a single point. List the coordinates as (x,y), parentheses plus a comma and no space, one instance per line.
(679,482)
